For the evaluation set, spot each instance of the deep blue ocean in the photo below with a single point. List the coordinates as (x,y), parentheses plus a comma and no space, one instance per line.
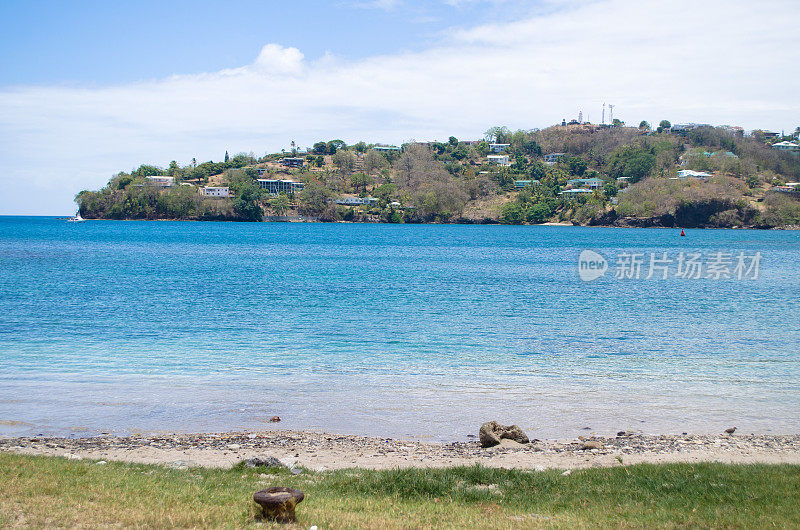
(420,331)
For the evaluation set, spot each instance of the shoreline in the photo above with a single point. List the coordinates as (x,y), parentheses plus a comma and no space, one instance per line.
(325,451)
(463,222)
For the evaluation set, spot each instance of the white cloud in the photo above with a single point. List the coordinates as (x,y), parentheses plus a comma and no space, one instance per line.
(721,61)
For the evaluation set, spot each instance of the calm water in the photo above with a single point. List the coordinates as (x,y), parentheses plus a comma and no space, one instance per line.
(421,331)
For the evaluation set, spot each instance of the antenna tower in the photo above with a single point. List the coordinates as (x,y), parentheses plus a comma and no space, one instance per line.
(611,113)
(603,122)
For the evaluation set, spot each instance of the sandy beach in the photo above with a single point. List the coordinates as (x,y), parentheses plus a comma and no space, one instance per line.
(320,451)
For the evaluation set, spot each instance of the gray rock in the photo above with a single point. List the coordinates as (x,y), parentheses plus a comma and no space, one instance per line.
(492,432)
(265,461)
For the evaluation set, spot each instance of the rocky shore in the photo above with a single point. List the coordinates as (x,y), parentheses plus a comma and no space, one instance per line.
(320,451)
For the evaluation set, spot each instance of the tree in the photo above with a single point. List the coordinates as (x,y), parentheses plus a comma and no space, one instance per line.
(345,161)
(498,134)
(360,180)
(452,141)
(173,168)
(280,204)
(512,213)
(644,125)
(147,171)
(632,162)
(618,123)
(315,201)
(227,158)
(336,145)
(539,213)
(373,161)
(576,165)
(320,148)
(665,124)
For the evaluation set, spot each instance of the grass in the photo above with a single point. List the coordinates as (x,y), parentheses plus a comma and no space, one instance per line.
(49,491)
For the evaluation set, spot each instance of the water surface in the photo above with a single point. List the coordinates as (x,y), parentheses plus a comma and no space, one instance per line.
(392,330)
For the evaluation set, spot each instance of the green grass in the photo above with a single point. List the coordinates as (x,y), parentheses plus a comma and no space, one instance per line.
(47,492)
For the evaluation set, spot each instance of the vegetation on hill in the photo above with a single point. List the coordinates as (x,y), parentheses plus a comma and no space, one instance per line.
(454,181)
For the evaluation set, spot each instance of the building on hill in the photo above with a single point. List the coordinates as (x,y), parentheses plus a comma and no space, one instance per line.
(215,191)
(575,192)
(733,129)
(787,147)
(688,173)
(383,147)
(790,190)
(357,201)
(498,160)
(683,128)
(525,183)
(274,187)
(593,183)
(291,161)
(498,148)
(552,158)
(161,182)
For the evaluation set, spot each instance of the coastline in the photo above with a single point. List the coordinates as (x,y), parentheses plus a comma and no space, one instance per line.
(637,222)
(324,451)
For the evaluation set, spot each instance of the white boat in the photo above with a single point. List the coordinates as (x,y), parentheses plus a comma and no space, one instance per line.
(76,219)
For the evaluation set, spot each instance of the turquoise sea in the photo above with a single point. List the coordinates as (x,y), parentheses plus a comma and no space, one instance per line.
(421,331)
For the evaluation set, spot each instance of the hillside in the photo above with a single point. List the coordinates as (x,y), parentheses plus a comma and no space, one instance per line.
(699,176)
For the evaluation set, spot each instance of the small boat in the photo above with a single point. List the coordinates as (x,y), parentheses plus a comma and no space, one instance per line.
(76,219)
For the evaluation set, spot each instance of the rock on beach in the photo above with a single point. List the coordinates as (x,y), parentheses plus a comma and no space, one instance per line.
(491,433)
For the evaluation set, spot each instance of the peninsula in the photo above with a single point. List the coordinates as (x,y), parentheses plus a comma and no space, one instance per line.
(688,175)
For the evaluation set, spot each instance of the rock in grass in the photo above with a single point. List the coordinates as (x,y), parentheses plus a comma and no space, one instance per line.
(263,461)
(278,504)
(492,432)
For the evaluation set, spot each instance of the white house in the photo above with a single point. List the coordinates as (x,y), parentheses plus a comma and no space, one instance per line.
(787,147)
(162,182)
(215,191)
(498,160)
(688,173)
(498,148)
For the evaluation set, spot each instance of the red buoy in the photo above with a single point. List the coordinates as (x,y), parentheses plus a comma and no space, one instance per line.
(683,233)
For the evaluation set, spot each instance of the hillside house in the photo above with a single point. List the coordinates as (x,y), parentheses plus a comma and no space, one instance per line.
(552,158)
(161,182)
(593,183)
(274,187)
(787,147)
(498,160)
(215,191)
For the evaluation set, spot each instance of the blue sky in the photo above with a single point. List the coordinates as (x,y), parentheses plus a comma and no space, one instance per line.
(91,88)
(104,42)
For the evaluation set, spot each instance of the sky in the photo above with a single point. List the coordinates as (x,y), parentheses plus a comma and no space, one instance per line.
(90,88)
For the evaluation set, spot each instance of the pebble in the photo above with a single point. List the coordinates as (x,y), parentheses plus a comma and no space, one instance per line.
(291,443)
(566,473)
(235,447)
(101,463)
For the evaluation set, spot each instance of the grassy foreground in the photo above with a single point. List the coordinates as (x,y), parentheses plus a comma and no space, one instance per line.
(48,492)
